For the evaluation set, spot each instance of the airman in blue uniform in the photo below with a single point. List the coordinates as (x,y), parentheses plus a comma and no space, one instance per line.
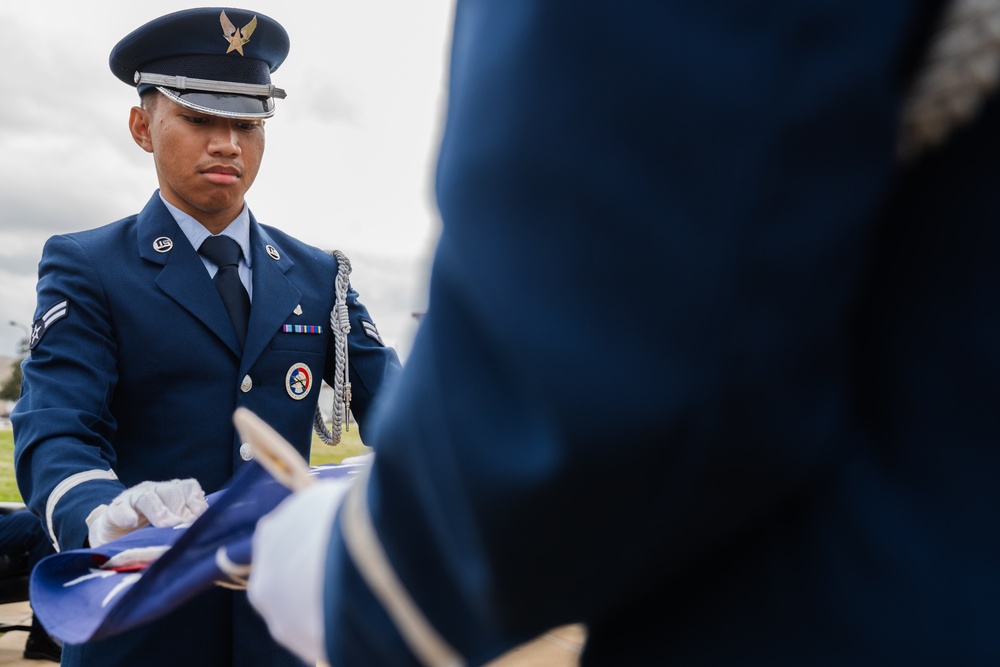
(137,362)
(719,284)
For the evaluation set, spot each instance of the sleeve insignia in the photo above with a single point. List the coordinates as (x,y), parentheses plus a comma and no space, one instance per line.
(371,331)
(45,322)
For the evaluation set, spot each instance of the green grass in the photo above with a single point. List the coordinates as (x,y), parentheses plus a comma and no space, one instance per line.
(8,487)
(350,445)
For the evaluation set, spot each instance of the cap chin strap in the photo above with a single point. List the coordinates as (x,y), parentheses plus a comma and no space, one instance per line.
(210,86)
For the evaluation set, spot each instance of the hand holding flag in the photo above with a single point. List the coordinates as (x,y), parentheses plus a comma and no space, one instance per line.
(160,504)
(88,594)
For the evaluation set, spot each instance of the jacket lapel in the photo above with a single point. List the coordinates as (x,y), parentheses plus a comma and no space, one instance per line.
(274,296)
(183,277)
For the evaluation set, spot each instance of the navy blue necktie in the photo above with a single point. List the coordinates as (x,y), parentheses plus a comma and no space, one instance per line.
(225,253)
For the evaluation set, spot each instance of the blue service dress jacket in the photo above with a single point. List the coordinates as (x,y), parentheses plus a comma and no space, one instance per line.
(706,367)
(134,373)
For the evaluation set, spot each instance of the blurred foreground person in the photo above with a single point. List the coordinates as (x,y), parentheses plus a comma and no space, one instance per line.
(711,355)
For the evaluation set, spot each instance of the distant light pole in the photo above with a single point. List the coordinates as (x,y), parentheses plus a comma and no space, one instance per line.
(25,342)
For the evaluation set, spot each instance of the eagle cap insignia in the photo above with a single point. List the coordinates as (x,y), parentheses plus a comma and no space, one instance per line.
(236,37)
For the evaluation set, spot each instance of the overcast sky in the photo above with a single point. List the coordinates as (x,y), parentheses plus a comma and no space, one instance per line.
(349,158)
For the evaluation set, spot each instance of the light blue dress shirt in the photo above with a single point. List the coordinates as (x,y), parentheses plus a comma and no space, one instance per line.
(238,230)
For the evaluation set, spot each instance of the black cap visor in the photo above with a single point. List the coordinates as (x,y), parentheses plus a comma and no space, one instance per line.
(220,104)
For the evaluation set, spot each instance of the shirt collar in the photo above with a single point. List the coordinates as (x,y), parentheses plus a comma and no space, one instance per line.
(238,229)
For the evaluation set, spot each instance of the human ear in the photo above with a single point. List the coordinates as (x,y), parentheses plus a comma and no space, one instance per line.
(138,124)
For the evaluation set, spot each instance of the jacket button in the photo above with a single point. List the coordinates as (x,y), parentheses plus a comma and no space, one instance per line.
(247,384)
(246,451)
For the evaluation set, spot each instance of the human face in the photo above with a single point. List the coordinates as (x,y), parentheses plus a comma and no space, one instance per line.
(205,164)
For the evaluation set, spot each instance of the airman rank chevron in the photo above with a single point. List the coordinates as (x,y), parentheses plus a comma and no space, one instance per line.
(302,328)
(45,322)
(371,331)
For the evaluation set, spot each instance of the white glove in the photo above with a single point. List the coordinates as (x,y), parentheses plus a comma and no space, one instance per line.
(289,559)
(161,504)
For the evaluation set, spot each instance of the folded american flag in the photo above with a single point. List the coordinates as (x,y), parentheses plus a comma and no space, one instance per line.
(87,594)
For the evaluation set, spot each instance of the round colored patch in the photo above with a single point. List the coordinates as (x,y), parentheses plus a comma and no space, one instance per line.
(298,381)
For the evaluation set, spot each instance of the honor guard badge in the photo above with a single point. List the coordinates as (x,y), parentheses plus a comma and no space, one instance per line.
(45,322)
(236,37)
(298,381)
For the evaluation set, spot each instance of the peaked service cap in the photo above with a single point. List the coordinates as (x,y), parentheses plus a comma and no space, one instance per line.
(214,60)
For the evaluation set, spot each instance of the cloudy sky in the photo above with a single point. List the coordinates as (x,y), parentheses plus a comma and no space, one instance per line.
(349,159)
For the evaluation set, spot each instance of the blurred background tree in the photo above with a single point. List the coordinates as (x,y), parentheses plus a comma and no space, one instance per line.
(11,389)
